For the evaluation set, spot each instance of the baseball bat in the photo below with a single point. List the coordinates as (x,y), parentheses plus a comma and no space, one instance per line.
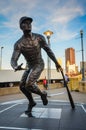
(69,94)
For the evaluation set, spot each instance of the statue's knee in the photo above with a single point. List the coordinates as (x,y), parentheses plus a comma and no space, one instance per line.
(28,84)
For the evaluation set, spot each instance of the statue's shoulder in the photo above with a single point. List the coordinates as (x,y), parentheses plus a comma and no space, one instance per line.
(38,35)
(40,38)
(18,43)
(19,40)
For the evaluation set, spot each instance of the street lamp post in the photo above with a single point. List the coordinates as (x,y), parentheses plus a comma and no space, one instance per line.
(1,58)
(48,33)
(83,72)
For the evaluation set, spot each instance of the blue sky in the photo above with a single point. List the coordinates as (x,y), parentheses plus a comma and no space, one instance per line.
(64,17)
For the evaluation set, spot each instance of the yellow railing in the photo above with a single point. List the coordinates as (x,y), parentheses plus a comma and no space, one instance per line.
(74,82)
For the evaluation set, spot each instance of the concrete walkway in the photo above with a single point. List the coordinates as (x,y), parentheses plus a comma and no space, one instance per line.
(54,94)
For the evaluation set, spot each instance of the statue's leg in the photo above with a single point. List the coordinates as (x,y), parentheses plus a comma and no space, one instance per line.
(28,94)
(32,87)
(36,90)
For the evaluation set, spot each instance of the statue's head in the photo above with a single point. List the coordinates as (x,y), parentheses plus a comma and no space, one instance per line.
(23,19)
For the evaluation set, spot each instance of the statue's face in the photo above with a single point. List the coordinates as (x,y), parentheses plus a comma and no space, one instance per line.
(26,25)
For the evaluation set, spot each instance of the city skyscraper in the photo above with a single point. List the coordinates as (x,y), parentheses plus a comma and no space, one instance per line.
(69,57)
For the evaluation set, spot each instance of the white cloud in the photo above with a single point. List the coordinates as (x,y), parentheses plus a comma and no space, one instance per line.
(54,12)
(51,14)
(54,15)
(65,13)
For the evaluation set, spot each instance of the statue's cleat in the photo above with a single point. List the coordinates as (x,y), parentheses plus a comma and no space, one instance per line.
(44,98)
(30,106)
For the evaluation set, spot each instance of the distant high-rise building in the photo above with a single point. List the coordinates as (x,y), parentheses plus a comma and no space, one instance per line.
(69,57)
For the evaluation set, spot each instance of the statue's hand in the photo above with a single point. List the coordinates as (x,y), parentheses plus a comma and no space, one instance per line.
(58,67)
(19,67)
